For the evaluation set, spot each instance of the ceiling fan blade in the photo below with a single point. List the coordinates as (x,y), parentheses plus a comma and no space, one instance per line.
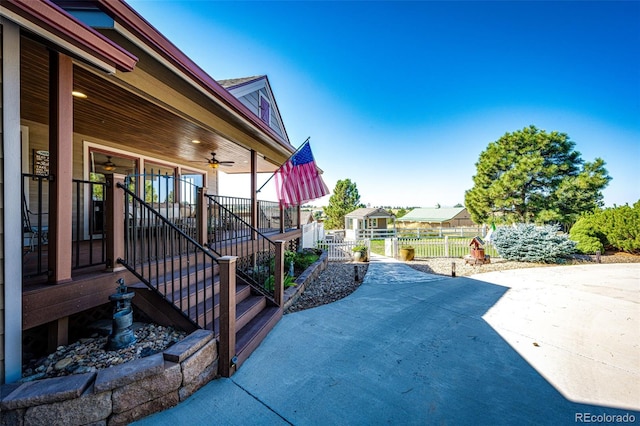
(226,163)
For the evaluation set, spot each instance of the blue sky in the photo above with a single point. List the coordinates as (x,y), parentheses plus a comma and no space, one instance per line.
(402,97)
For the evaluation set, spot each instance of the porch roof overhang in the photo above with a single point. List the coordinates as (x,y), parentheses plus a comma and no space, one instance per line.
(50,22)
(131,27)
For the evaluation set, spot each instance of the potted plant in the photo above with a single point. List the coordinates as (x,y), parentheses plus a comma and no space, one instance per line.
(407,253)
(360,254)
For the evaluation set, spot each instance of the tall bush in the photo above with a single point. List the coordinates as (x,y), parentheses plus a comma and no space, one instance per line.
(616,228)
(530,243)
(589,239)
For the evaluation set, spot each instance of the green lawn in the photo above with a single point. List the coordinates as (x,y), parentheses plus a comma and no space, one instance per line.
(458,247)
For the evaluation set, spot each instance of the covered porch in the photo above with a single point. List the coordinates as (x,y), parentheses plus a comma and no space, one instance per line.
(84,127)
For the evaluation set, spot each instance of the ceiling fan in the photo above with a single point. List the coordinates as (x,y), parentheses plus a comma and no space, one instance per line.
(214,162)
(109,165)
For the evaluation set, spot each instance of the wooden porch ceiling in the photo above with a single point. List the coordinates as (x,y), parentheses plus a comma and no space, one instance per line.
(112,113)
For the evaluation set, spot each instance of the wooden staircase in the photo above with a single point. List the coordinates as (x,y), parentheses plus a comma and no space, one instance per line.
(190,283)
(168,301)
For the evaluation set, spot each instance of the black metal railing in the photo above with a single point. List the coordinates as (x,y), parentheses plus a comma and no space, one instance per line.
(231,235)
(174,198)
(290,218)
(160,251)
(35,224)
(222,215)
(268,217)
(269,214)
(89,224)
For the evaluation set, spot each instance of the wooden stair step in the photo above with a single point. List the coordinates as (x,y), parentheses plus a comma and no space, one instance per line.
(242,293)
(247,309)
(196,291)
(253,333)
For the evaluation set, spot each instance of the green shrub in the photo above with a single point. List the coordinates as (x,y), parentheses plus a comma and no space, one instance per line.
(587,236)
(305,258)
(616,228)
(530,243)
(269,283)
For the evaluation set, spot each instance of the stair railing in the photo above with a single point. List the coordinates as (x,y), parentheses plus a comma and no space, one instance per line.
(160,252)
(258,260)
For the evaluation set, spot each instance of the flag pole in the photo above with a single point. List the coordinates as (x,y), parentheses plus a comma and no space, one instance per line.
(285,162)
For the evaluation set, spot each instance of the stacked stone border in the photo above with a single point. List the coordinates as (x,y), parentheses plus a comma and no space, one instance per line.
(305,279)
(117,395)
(124,393)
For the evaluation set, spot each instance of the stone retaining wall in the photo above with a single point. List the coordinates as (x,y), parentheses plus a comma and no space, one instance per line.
(291,294)
(116,395)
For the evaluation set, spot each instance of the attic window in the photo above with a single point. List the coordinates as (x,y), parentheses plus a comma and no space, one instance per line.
(265,109)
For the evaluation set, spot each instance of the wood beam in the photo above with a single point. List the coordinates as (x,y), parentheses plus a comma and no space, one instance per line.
(58,334)
(114,206)
(227,319)
(61,166)
(254,193)
(278,286)
(202,224)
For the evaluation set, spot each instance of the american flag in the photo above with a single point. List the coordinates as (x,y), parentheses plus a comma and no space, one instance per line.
(298,180)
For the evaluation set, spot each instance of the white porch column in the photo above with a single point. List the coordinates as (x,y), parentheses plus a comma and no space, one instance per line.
(11,369)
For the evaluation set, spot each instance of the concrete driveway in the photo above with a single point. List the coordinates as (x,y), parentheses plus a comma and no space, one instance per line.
(545,346)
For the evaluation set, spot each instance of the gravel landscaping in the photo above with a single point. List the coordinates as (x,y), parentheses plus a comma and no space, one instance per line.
(90,354)
(334,283)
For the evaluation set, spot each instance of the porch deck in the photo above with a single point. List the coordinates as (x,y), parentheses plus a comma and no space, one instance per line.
(90,285)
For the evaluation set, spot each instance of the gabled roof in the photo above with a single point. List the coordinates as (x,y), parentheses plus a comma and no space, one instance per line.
(242,86)
(232,83)
(432,214)
(366,213)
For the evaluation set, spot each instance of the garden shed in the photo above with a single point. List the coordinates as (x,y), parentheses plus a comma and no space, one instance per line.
(369,223)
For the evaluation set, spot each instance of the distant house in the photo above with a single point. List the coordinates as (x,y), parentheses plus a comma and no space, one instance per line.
(368,223)
(445,217)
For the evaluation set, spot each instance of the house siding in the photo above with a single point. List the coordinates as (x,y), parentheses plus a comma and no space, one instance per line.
(252,101)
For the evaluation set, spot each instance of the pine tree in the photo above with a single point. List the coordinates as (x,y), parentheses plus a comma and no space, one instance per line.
(345,199)
(534,176)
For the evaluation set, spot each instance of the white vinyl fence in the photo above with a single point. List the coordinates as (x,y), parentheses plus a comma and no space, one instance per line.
(311,234)
(434,247)
(460,231)
(341,251)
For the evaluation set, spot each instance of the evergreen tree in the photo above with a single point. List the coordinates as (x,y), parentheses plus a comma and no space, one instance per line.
(534,176)
(401,212)
(345,199)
